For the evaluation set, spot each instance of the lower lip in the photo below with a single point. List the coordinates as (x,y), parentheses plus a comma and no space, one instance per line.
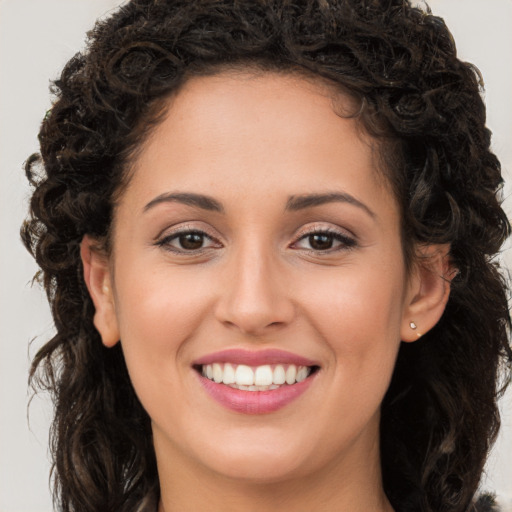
(255,402)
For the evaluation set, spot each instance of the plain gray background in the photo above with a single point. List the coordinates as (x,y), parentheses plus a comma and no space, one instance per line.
(36,38)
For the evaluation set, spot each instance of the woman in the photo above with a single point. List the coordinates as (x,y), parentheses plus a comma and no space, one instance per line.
(267,233)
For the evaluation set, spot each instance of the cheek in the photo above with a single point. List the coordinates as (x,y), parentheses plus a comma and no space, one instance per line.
(358,314)
(159,304)
(157,312)
(356,305)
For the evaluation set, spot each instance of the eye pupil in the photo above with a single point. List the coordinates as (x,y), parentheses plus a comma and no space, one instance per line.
(191,241)
(320,241)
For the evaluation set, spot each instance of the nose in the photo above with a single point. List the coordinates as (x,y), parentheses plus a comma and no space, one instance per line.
(254,293)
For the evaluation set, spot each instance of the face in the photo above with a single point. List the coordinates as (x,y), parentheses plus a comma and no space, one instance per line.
(257,238)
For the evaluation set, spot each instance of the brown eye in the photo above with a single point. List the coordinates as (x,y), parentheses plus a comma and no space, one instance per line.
(191,241)
(321,241)
(188,242)
(325,242)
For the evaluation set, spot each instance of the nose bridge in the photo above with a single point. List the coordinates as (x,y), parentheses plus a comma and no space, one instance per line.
(253,296)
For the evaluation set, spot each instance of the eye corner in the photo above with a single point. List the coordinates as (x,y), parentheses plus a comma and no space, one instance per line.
(327,236)
(195,245)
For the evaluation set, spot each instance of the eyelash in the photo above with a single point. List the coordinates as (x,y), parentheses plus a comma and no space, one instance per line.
(346,242)
(165,242)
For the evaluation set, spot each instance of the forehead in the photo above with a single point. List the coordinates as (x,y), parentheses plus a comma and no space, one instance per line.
(257,132)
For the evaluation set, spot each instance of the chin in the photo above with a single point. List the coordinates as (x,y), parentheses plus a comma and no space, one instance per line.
(261,456)
(259,468)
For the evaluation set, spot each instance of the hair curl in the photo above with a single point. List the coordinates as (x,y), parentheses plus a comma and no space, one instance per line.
(439,416)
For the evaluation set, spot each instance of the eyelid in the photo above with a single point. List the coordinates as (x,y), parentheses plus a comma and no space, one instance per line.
(319,227)
(184,227)
(346,238)
(166,235)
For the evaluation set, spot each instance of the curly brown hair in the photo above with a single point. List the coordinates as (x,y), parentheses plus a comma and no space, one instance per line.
(439,417)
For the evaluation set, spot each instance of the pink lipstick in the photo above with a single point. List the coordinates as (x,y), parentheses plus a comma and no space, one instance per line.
(255,358)
(255,382)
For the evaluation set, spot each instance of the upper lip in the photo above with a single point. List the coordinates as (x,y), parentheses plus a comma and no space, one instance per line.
(255,357)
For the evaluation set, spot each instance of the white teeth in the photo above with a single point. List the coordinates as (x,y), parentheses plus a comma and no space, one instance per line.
(263,376)
(244,376)
(260,378)
(229,374)
(291,373)
(302,373)
(217,372)
(253,388)
(279,376)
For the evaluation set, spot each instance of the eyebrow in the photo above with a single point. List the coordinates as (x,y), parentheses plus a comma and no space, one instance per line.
(301,202)
(294,203)
(188,198)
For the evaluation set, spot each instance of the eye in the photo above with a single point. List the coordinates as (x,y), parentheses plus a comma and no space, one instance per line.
(325,241)
(188,241)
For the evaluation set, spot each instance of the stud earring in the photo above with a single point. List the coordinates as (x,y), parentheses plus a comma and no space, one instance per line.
(413,326)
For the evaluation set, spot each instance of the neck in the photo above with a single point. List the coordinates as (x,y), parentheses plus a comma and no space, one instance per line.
(267,498)
(343,485)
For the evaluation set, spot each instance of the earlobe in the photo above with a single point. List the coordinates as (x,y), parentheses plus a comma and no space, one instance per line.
(428,293)
(98,280)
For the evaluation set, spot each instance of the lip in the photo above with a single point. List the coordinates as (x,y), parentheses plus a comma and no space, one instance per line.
(255,358)
(255,402)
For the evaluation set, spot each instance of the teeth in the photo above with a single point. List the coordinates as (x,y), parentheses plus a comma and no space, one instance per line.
(263,376)
(244,375)
(253,388)
(217,372)
(302,373)
(279,376)
(229,374)
(291,373)
(260,378)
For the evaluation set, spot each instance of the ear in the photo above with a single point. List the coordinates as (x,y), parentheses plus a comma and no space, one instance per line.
(428,291)
(97,276)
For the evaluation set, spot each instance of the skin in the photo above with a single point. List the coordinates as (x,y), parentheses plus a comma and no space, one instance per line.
(251,141)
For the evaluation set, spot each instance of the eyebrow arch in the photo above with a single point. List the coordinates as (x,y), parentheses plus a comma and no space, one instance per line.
(295,203)
(188,198)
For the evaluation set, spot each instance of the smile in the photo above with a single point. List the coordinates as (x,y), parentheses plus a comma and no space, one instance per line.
(255,382)
(259,378)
